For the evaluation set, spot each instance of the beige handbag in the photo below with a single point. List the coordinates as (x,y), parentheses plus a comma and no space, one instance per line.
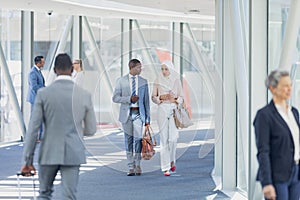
(181,117)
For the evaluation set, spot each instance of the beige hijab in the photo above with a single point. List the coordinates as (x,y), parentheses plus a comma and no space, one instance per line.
(168,83)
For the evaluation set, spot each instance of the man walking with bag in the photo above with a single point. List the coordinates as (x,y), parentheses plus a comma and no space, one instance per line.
(68,114)
(132,93)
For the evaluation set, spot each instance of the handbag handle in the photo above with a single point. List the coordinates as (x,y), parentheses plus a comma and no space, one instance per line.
(149,128)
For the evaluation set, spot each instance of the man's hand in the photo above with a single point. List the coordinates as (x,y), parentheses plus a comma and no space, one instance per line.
(28,170)
(269,192)
(134,99)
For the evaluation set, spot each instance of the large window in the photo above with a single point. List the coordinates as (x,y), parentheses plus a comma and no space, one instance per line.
(10,38)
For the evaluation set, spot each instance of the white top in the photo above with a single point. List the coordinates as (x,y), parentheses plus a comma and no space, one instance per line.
(293,126)
(136,88)
(173,87)
(78,77)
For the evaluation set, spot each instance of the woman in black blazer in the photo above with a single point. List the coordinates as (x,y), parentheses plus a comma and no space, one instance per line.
(277,139)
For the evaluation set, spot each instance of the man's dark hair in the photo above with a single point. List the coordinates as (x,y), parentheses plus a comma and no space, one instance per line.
(38,59)
(63,62)
(133,62)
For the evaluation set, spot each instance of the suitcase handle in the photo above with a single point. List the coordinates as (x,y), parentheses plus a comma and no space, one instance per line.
(33,183)
(23,174)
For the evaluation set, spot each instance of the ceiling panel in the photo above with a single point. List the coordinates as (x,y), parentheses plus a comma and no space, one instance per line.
(203,7)
(201,11)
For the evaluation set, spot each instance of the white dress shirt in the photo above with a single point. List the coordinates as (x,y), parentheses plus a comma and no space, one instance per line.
(293,126)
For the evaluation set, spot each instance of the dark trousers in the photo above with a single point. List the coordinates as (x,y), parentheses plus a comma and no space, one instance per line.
(289,190)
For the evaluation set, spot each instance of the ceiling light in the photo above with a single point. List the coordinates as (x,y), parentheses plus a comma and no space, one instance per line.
(194,11)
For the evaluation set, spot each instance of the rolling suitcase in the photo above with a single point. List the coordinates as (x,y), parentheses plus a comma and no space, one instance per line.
(19,185)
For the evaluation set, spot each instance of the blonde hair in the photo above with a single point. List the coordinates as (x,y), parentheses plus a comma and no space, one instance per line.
(79,61)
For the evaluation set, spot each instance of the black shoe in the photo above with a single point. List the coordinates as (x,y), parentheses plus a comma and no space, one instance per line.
(131,172)
(138,171)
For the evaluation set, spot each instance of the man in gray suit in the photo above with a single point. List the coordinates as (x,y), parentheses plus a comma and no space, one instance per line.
(132,92)
(68,114)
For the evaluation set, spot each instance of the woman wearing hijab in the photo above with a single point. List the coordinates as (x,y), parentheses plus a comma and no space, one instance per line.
(167,93)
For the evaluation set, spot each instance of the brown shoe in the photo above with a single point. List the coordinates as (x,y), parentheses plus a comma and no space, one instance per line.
(138,171)
(131,172)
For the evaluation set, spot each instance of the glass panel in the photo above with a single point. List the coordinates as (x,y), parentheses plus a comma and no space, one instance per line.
(102,62)
(278,12)
(198,68)
(47,32)
(198,73)
(242,133)
(10,37)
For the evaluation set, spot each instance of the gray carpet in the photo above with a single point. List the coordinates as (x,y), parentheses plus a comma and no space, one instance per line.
(104,177)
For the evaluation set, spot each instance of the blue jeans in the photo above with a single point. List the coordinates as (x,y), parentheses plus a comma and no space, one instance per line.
(133,129)
(289,190)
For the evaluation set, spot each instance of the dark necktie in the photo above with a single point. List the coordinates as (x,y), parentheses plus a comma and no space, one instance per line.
(42,77)
(133,86)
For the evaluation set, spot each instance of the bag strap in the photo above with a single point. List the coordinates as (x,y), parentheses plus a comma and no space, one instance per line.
(154,139)
(149,131)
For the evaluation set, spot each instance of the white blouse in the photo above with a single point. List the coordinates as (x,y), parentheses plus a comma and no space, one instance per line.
(168,87)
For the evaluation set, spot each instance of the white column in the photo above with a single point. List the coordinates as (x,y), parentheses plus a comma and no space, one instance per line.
(288,51)
(125,46)
(176,45)
(76,40)
(219,90)
(240,54)
(27,59)
(258,57)
(229,104)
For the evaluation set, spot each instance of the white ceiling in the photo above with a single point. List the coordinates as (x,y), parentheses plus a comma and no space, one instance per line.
(200,11)
(203,7)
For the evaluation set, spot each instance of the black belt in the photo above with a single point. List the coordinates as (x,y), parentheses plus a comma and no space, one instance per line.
(134,108)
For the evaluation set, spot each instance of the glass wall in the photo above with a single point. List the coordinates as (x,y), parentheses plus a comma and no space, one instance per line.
(102,46)
(278,12)
(242,138)
(48,30)
(278,15)
(106,47)
(10,38)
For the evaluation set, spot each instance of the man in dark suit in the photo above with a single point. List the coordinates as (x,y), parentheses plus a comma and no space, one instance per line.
(132,93)
(68,113)
(35,82)
(277,139)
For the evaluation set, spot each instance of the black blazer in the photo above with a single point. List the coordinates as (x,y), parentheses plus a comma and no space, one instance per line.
(275,145)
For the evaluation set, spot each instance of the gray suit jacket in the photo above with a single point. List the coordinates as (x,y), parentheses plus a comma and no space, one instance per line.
(122,94)
(64,108)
